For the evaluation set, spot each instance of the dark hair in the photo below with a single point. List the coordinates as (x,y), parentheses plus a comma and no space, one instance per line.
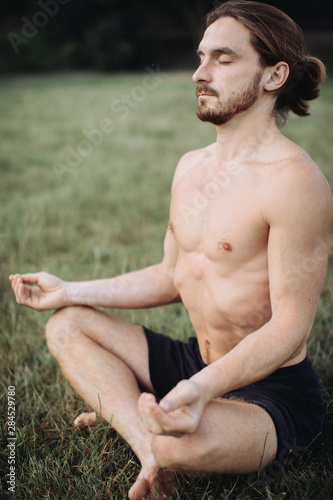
(276,37)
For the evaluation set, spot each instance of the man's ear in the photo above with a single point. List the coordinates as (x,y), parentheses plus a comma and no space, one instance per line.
(276,76)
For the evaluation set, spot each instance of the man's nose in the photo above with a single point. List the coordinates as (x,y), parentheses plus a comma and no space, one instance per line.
(202,74)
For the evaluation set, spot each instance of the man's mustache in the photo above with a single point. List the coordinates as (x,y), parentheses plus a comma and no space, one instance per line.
(203,88)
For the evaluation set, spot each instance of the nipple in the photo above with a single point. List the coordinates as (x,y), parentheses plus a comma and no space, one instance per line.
(225,246)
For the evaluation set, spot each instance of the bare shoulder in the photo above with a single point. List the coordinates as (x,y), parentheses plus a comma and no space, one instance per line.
(299,186)
(191,159)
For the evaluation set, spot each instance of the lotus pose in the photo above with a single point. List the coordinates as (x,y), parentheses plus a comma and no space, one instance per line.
(246,253)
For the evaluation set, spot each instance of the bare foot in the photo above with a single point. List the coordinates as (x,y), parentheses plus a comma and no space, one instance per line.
(152,483)
(86,420)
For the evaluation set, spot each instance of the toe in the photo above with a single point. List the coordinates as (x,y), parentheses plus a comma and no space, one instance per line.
(139,489)
(85,420)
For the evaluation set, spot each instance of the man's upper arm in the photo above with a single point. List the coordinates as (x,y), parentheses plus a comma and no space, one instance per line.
(170,258)
(170,245)
(170,252)
(299,216)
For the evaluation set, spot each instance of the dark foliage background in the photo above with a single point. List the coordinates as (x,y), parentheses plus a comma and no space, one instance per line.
(108,35)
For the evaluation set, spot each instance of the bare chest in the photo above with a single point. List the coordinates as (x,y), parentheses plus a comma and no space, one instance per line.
(219,216)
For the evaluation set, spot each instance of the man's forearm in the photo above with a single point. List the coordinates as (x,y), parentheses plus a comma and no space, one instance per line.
(149,287)
(254,358)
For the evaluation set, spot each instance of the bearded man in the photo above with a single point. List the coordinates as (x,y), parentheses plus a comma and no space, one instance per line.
(247,216)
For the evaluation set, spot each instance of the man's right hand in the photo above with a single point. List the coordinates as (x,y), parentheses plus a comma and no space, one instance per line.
(47,293)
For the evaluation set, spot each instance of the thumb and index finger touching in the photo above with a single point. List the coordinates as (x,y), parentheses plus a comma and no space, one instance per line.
(22,290)
(29,278)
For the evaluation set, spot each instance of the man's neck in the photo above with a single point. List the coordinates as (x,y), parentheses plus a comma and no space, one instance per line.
(244,135)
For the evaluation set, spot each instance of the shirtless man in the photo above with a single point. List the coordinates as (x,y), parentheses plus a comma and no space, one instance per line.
(245,251)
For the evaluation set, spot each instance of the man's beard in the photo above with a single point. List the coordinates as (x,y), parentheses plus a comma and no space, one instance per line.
(224,112)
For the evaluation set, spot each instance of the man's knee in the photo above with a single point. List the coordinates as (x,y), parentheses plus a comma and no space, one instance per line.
(64,327)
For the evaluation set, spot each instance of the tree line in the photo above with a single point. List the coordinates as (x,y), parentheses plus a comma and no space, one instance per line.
(109,35)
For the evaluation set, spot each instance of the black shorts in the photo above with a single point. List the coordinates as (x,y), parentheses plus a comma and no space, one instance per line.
(292,395)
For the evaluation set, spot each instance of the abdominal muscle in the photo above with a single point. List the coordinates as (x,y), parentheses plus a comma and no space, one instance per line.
(224,309)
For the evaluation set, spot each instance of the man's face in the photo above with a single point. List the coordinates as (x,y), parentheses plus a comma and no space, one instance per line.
(229,76)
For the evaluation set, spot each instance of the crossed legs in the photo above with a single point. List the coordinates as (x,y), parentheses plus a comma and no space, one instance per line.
(106,362)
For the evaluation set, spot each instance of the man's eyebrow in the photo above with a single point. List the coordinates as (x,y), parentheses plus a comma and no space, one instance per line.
(219,50)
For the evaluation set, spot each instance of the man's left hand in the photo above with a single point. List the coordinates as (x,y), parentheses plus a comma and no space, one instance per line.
(178,413)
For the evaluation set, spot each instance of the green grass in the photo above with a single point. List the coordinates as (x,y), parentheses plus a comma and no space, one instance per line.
(103,217)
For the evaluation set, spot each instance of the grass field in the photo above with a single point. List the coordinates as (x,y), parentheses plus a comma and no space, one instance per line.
(98,213)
